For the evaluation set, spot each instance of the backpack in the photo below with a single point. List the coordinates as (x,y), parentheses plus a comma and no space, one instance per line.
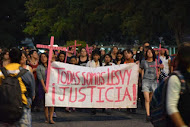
(11,106)
(158,113)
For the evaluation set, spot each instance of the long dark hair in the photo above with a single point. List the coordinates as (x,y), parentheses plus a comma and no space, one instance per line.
(85,50)
(128,51)
(120,52)
(166,55)
(15,55)
(40,62)
(153,53)
(32,51)
(110,58)
(113,48)
(96,52)
(62,52)
(183,57)
(3,53)
(24,52)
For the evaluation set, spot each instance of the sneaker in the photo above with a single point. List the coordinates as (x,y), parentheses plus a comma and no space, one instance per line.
(67,110)
(54,115)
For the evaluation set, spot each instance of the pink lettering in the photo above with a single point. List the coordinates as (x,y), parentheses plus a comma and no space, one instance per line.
(63,93)
(117,77)
(106,94)
(74,95)
(53,94)
(100,94)
(81,100)
(129,75)
(92,88)
(62,77)
(126,94)
(58,73)
(119,91)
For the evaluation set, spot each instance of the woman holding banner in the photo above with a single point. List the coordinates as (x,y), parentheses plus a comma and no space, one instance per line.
(119,59)
(128,58)
(41,75)
(108,62)
(95,62)
(83,58)
(114,52)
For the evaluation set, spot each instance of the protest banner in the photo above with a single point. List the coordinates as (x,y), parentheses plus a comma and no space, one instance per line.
(85,87)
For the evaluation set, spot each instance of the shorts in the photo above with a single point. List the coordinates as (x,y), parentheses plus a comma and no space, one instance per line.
(149,85)
(26,120)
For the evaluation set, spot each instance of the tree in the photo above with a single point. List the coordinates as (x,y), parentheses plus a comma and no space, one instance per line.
(12,22)
(150,19)
(178,17)
(108,20)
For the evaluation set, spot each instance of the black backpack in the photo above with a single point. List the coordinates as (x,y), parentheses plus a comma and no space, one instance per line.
(159,116)
(11,106)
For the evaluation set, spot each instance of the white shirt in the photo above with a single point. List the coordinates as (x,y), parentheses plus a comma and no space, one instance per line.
(92,64)
(173,95)
(111,64)
(165,63)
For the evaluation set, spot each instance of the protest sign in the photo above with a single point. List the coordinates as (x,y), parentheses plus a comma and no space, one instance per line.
(85,87)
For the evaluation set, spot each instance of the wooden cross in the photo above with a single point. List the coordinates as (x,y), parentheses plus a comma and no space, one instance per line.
(156,65)
(156,61)
(67,54)
(89,49)
(51,48)
(75,46)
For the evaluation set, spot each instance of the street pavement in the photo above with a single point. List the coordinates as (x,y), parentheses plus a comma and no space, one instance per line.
(83,118)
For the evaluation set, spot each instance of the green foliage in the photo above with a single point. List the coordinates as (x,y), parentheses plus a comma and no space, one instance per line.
(69,43)
(93,21)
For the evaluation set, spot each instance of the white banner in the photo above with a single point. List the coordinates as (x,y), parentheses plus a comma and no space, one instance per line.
(85,87)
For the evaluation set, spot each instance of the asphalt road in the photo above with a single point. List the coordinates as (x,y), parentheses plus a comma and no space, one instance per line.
(83,118)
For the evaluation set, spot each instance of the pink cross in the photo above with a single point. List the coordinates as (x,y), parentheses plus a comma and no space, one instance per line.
(75,46)
(89,49)
(51,48)
(156,61)
(156,65)
(67,54)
